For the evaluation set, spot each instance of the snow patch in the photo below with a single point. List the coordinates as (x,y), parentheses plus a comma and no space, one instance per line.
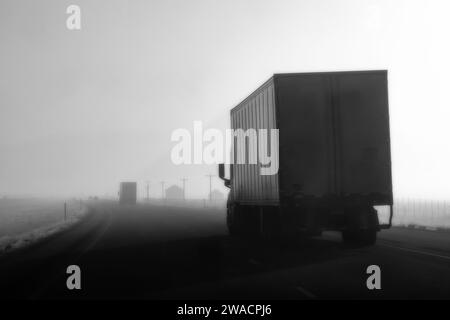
(10,243)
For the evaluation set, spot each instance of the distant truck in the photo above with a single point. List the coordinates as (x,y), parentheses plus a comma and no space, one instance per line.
(333,155)
(127,193)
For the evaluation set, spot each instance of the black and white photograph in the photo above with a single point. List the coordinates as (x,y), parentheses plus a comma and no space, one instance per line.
(217,157)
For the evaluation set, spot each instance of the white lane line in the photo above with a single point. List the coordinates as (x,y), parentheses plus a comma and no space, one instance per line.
(306,292)
(417,251)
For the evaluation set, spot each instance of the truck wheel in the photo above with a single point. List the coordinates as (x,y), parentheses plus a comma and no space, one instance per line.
(369,237)
(363,229)
(241,221)
(233,228)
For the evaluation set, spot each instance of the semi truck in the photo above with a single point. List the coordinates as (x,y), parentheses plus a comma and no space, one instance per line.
(127,193)
(333,157)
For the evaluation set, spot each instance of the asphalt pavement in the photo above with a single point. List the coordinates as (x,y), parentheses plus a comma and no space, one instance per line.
(162,252)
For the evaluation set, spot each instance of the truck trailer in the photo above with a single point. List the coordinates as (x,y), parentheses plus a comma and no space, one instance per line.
(127,193)
(333,154)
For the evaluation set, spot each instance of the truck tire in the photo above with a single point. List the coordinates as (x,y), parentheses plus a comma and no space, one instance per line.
(233,228)
(366,236)
(369,237)
(241,221)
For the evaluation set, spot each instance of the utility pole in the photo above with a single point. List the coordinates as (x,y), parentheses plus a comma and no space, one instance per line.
(148,191)
(162,190)
(184,188)
(210,185)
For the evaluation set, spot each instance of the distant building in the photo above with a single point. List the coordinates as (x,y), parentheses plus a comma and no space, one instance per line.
(174,193)
(216,195)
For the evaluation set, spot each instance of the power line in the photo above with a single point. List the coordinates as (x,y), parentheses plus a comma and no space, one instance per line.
(162,190)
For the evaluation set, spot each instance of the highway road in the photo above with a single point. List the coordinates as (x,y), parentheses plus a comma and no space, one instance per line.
(157,252)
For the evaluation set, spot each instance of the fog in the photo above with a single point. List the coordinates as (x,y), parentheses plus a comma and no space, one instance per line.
(82,110)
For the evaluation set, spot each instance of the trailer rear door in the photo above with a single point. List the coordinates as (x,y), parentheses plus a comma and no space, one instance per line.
(363,144)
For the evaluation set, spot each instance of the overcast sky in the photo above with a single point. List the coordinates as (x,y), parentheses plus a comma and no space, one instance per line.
(82,110)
